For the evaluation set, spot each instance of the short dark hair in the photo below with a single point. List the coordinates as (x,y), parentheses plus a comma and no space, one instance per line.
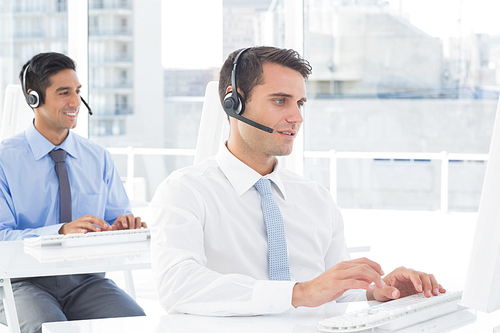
(41,67)
(249,72)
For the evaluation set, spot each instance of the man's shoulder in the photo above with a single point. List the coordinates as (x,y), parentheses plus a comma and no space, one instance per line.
(200,172)
(191,180)
(80,140)
(13,144)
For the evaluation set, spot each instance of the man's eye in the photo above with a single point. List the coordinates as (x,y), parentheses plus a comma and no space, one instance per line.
(280,101)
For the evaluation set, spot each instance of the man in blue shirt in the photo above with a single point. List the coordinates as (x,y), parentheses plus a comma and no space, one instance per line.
(30,198)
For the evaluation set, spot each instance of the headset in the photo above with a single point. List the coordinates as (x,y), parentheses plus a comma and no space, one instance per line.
(233,103)
(33,98)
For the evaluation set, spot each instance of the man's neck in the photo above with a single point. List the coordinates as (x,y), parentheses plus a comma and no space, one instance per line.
(55,137)
(263,164)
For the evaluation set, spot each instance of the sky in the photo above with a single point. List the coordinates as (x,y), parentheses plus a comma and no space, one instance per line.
(439,18)
(195,26)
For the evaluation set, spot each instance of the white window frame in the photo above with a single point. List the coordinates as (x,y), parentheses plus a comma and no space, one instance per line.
(294,39)
(78,50)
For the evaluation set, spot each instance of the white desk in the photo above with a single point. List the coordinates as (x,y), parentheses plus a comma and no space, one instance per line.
(16,261)
(297,321)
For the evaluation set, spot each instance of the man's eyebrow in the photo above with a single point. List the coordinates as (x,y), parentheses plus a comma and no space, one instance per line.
(280,94)
(66,88)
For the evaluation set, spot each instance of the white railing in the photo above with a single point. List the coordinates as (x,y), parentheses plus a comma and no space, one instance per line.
(444,157)
(131,152)
(332,155)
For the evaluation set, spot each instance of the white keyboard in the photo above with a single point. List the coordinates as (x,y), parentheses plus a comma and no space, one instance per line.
(90,238)
(394,314)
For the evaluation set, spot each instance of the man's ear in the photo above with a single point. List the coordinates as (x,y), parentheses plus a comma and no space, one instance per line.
(229,89)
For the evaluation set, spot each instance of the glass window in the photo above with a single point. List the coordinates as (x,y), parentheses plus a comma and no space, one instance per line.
(62,6)
(400,76)
(23,34)
(154,98)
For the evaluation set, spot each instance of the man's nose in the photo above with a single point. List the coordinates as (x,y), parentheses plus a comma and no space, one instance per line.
(296,115)
(75,100)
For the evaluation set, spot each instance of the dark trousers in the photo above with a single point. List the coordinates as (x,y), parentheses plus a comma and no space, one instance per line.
(68,297)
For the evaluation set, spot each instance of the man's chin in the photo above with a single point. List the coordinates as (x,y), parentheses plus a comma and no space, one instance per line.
(284,152)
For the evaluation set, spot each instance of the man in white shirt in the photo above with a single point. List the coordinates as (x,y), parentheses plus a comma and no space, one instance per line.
(210,252)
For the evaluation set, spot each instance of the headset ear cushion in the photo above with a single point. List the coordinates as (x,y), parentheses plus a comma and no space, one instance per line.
(229,102)
(241,104)
(33,99)
(231,105)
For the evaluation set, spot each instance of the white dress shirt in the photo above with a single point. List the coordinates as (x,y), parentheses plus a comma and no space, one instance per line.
(209,241)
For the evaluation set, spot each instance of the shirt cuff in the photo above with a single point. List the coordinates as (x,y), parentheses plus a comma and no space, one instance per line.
(272,296)
(352,295)
(51,229)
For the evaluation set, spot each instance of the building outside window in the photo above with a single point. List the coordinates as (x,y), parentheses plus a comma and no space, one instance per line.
(62,6)
(384,80)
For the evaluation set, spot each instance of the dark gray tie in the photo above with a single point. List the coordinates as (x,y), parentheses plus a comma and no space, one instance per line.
(59,157)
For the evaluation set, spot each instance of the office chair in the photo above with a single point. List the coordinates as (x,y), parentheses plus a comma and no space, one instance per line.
(214,126)
(15,118)
(16,115)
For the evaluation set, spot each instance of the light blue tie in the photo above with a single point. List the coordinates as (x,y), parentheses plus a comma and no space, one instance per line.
(276,241)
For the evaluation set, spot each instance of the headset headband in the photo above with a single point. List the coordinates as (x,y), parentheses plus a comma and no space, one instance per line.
(25,92)
(233,74)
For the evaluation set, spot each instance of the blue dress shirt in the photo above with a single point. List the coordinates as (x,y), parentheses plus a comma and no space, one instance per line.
(29,189)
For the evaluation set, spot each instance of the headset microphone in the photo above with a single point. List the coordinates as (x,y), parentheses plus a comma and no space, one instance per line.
(88,107)
(233,103)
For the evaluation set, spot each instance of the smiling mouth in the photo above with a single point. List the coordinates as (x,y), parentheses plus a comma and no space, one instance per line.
(71,114)
(287,133)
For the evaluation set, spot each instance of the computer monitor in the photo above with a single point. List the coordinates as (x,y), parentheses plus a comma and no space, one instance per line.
(482,283)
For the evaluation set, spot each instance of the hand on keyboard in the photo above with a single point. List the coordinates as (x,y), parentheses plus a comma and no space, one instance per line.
(84,224)
(89,223)
(363,274)
(128,222)
(403,282)
(352,274)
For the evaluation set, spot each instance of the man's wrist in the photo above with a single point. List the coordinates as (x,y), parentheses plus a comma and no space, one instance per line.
(297,294)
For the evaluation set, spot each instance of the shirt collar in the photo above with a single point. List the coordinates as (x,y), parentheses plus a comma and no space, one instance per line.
(40,146)
(241,176)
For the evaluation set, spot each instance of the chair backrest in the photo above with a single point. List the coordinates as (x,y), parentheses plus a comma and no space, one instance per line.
(214,126)
(16,114)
